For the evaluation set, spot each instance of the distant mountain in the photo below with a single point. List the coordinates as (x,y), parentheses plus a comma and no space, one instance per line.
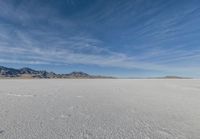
(175,77)
(30,73)
(170,77)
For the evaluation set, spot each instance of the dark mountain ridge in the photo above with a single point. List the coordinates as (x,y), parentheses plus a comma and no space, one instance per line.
(30,73)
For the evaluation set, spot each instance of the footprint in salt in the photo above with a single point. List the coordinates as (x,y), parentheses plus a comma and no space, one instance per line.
(79,96)
(65,116)
(20,95)
(2,131)
(164,134)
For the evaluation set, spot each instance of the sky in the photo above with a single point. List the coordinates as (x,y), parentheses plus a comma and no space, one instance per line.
(124,38)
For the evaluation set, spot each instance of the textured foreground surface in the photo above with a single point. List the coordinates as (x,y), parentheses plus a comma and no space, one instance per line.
(102,109)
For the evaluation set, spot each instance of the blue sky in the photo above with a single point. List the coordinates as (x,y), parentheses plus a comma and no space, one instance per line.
(109,37)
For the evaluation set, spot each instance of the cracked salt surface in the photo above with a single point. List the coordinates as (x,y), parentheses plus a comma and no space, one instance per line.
(100,109)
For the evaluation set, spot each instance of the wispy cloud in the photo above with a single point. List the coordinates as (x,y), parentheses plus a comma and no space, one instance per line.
(57,53)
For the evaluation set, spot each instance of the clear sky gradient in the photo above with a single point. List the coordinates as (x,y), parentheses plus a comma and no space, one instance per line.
(109,37)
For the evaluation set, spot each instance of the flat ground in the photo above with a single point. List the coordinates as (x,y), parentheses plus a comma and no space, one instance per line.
(100,109)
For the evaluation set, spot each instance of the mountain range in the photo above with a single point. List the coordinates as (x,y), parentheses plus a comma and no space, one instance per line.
(31,73)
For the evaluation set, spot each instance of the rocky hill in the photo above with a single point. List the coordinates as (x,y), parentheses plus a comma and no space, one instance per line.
(30,73)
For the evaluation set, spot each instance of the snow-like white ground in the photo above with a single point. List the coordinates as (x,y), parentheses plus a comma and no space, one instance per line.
(100,109)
